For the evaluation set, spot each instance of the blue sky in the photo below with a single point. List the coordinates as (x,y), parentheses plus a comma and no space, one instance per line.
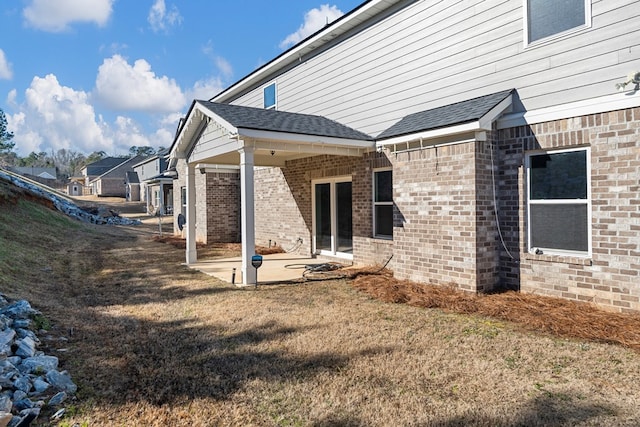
(103,75)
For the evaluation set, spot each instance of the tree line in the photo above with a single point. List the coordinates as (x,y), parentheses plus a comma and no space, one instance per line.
(67,162)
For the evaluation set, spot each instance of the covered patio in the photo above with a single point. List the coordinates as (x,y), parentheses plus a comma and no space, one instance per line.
(246,137)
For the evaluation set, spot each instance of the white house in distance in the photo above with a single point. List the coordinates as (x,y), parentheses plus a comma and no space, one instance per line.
(480,143)
(155,185)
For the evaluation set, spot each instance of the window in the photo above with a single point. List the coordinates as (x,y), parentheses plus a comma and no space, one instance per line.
(270,96)
(183,201)
(546,18)
(383,204)
(559,206)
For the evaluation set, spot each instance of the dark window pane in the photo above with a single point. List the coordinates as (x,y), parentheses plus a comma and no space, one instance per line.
(384,220)
(549,17)
(344,216)
(383,186)
(323,216)
(559,176)
(563,227)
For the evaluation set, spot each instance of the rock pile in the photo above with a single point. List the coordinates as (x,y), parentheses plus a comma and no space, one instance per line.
(65,205)
(29,379)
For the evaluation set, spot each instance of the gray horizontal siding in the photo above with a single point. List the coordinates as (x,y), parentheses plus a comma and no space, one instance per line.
(435,53)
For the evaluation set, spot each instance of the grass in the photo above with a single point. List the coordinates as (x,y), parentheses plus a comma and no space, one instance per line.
(152,343)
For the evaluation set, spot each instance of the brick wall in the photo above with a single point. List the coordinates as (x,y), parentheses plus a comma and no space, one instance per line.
(278,215)
(610,277)
(111,187)
(222,206)
(436,237)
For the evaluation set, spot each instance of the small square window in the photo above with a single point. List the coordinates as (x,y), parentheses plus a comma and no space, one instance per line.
(546,18)
(269,97)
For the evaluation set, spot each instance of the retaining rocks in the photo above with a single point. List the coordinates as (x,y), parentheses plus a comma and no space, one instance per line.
(29,379)
(66,206)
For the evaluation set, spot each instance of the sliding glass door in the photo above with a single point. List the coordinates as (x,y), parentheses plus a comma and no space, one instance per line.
(333,217)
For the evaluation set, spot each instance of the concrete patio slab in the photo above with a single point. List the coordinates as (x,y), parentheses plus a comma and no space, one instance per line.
(275,268)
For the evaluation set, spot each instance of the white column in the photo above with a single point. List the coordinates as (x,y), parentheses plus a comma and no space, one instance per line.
(161,207)
(247,208)
(191,253)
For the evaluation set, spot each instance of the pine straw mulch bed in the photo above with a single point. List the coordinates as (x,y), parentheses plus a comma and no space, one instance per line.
(556,316)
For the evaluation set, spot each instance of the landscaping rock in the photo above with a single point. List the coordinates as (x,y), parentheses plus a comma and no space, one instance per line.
(25,373)
(5,418)
(18,310)
(5,404)
(61,381)
(26,347)
(58,398)
(64,204)
(6,337)
(40,363)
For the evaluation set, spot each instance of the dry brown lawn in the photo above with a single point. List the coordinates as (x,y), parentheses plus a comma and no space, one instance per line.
(153,343)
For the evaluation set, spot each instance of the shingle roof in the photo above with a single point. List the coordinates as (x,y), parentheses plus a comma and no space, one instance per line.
(448,115)
(132,178)
(282,121)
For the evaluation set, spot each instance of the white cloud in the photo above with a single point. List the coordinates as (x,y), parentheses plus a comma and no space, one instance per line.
(124,87)
(223,66)
(55,16)
(160,20)
(5,67)
(314,20)
(55,116)
(206,88)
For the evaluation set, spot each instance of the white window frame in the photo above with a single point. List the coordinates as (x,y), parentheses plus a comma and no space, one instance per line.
(587,202)
(334,220)
(525,12)
(374,203)
(275,96)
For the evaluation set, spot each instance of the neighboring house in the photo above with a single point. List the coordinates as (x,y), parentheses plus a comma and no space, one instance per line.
(43,173)
(97,168)
(156,184)
(112,183)
(478,143)
(132,184)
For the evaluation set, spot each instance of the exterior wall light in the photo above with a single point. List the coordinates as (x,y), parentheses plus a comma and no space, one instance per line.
(632,78)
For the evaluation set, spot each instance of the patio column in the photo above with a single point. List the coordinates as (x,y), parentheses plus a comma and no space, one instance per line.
(192,254)
(161,207)
(247,208)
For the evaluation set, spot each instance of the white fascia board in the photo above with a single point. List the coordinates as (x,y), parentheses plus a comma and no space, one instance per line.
(430,134)
(306,149)
(217,168)
(303,139)
(296,53)
(603,104)
(198,117)
(487,120)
